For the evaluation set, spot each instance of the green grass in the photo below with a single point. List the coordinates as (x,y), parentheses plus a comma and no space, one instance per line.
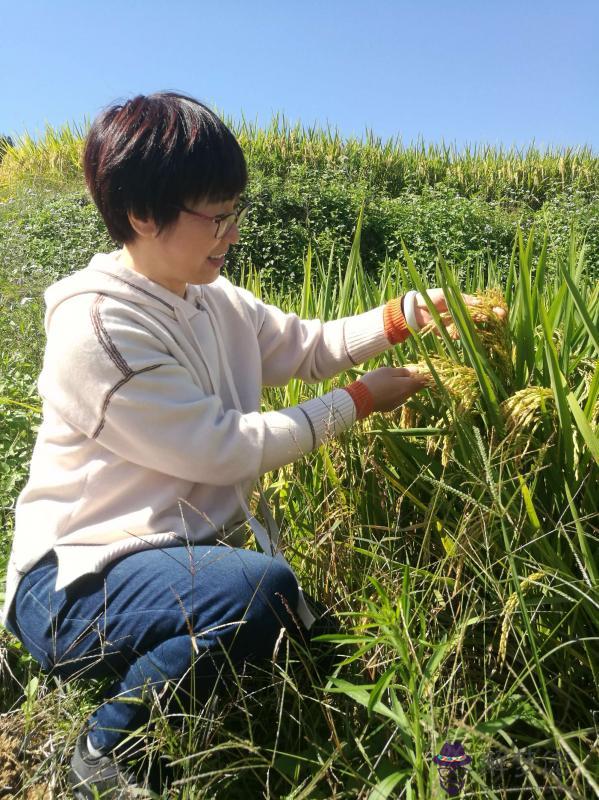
(462,561)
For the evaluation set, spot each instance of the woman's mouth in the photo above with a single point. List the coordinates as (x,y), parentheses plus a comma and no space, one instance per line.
(218,261)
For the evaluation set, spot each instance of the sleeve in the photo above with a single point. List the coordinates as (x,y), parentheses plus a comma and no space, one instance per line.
(126,391)
(313,350)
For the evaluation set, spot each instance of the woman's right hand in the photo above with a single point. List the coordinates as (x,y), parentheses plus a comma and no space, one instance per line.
(391,386)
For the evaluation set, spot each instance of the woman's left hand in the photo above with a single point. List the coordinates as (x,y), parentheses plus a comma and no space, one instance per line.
(437,298)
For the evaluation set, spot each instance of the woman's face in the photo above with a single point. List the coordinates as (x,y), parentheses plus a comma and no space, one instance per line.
(184,253)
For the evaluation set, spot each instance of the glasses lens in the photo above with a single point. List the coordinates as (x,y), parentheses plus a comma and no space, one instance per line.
(223,226)
(241,217)
(225,223)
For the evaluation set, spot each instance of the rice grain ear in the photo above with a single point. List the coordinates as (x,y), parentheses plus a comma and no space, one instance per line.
(524,412)
(408,417)
(527,406)
(459,385)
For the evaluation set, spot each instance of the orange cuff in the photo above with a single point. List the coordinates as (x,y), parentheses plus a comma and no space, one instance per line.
(362,397)
(396,329)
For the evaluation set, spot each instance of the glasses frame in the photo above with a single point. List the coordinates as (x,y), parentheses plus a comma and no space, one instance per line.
(236,217)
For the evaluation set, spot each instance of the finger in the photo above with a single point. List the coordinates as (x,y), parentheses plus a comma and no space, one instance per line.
(453,334)
(406,372)
(436,297)
(450,328)
(411,372)
(410,387)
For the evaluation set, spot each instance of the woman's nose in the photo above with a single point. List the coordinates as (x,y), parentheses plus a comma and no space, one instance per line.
(232,235)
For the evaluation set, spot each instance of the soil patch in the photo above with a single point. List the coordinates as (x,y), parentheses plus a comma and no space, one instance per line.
(13,758)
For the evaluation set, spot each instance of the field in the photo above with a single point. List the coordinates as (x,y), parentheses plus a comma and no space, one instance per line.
(455,538)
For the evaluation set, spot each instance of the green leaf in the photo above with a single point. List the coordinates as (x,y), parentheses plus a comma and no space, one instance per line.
(380,686)
(496,725)
(540,275)
(448,545)
(305,309)
(30,696)
(419,284)
(511,277)
(417,432)
(434,662)
(589,561)
(530,509)
(354,266)
(593,393)
(581,306)
(8,401)
(361,694)
(557,304)
(590,439)
(383,789)
(558,384)
(473,347)
(524,316)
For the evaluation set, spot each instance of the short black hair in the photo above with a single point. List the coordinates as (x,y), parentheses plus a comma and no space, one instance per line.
(152,153)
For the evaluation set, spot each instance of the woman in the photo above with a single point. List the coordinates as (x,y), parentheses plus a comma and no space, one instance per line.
(128,556)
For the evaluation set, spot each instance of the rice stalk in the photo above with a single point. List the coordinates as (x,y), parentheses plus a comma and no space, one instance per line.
(587,369)
(527,408)
(458,379)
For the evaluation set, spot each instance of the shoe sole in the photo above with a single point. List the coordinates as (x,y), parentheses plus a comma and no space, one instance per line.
(87,794)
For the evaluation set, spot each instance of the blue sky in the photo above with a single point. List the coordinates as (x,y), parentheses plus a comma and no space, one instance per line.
(461,71)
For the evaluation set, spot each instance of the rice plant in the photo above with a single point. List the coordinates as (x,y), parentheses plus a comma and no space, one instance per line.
(488,488)
(455,538)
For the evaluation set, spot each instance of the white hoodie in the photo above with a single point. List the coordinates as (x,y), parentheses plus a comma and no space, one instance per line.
(152,433)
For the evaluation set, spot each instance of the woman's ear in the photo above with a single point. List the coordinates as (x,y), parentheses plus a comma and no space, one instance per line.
(146,228)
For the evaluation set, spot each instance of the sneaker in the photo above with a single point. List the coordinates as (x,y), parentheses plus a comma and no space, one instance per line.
(105,777)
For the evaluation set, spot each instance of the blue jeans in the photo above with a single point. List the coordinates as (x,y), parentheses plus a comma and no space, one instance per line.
(135,619)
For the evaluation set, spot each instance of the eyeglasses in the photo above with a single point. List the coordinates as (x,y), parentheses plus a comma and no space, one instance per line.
(224,222)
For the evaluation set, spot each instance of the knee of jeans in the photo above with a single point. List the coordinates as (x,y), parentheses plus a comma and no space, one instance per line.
(278,586)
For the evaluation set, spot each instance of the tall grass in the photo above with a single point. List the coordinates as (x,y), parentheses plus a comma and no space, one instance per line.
(456,541)
(491,173)
(52,160)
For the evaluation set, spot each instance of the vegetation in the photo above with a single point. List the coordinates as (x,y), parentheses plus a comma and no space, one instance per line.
(308,186)
(456,538)
(5,143)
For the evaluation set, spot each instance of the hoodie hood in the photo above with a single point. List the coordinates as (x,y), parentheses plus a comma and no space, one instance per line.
(106,274)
